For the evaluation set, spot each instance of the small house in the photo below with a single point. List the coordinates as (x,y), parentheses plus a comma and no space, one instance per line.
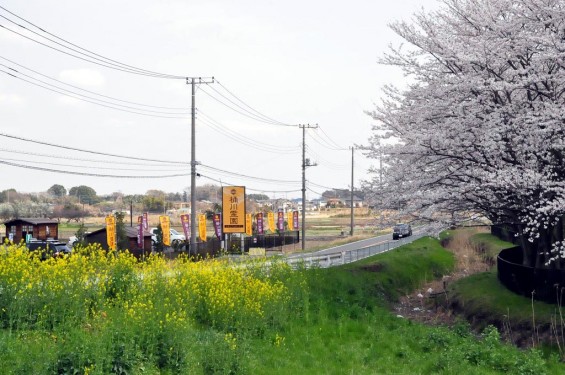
(99,236)
(27,228)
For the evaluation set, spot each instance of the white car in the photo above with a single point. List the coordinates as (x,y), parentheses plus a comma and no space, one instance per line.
(175,236)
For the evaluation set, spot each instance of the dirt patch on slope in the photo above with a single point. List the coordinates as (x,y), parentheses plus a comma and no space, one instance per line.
(427,304)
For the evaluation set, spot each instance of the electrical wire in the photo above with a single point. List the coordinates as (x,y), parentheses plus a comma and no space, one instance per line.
(89,160)
(250,177)
(88,91)
(87,166)
(321,141)
(252,113)
(253,117)
(216,125)
(89,151)
(331,140)
(90,174)
(330,164)
(248,188)
(322,186)
(248,106)
(81,97)
(94,57)
(313,191)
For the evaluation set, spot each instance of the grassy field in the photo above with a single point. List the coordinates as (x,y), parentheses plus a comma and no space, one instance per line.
(95,313)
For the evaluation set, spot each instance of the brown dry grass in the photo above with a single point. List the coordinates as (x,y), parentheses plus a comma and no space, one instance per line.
(468,261)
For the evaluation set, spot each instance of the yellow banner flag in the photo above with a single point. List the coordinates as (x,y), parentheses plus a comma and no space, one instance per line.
(111,232)
(202,226)
(233,209)
(271,221)
(248,224)
(166,228)
(289,220)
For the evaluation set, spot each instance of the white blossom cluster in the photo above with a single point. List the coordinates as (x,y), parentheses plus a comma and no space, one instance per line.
(481,128)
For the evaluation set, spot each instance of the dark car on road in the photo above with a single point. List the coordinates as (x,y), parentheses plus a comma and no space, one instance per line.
(401,230)
(49,248)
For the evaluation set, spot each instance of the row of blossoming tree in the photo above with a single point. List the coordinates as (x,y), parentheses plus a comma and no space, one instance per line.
(480,128)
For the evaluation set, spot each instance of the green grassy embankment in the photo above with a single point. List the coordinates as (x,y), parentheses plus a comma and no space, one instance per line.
(483,300)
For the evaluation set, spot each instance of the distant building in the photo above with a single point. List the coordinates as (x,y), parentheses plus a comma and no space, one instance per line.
(99,236)
(38,228)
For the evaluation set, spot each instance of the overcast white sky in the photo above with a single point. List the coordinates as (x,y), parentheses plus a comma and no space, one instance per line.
(297,62)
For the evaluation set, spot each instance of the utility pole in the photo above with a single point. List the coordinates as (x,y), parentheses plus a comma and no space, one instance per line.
(193,82)
(352,164)
(305,163)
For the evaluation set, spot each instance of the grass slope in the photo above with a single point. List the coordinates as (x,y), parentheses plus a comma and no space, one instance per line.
(484,300)
(349,329)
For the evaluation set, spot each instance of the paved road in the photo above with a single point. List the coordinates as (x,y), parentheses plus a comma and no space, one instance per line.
(347,247)
(359,249)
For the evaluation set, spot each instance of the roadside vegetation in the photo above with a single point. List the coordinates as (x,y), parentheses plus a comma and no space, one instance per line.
(483,300)
(100,313)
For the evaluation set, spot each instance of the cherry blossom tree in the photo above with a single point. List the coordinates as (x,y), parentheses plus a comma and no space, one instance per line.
(480,128)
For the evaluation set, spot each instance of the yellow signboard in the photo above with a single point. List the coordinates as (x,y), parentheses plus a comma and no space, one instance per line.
(233,209)
(271,221)
(166,228)
(202,226)
(289,220)
(248,225)
(111,232)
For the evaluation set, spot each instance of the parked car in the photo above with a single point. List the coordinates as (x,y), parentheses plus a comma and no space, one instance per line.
(401,230)
(49,248)
(175,236)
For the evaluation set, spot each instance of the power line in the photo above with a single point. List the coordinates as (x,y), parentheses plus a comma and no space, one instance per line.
(251,177)
(88,174)
(332,141)
(88,160)
(88,91)
(315,192)
(253,109)
(331,165)
(92,57)
(322,186)
(87,166)
(247,141)
(251,116)
(253,113)
(89,151)
(82,97)
(318,139)
(248,188)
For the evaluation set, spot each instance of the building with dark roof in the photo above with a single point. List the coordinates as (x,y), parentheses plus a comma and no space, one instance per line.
(39,228)
(99,236)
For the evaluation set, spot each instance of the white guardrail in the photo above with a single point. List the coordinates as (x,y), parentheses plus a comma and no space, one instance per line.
(338,258)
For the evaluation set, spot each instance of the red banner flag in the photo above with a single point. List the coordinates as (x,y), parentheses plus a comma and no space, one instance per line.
(259,217)
(280,221)
(217,219)
(185,221)
(140,231)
